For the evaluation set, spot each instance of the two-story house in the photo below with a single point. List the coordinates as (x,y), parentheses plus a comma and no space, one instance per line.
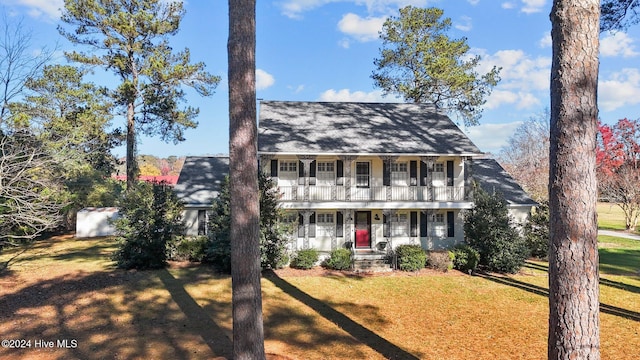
(368,175)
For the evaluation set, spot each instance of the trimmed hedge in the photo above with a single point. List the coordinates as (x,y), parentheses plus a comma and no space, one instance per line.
(411,257)
(305,259)
(340,259)
(465,258)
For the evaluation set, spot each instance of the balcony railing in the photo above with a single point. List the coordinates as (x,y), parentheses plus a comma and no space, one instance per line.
(374,193)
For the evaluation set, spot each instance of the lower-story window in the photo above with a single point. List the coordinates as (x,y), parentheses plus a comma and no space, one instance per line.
(400,225)
(443,227)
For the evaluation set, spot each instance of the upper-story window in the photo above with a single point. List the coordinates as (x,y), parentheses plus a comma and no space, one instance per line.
(438,171)
(289,166)
(362,174)
(399,174)
(326,172)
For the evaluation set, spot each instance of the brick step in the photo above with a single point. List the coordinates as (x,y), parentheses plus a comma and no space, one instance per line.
(375,265)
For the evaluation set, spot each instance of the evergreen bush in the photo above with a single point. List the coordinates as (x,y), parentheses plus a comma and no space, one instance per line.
(465,258)
(150,218)
(305,259)
(274,232)
(536,231)
(489,229)
(188,248)
(411,257)
(340,259)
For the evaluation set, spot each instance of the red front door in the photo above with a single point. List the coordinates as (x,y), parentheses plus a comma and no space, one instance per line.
(363,229)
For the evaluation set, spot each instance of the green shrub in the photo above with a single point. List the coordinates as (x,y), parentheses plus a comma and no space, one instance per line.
(440,260)
(465,258)
(150,218)
(411,257)
(274,231)
(490,230)
(188,248)
(340,259)
(536,231)
(305,259)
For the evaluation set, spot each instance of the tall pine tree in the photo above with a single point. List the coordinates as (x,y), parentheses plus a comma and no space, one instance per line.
(131,38)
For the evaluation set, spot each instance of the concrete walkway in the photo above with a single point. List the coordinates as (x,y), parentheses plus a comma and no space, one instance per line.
(621,234)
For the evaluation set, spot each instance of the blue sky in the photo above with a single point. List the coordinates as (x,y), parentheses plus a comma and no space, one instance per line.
(323,50)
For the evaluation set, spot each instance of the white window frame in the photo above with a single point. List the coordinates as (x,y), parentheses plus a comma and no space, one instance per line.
(439,225)
(438,173)
(361,177)
(399,174)
(400,226)
(325,218)
(326,172)
(288,166)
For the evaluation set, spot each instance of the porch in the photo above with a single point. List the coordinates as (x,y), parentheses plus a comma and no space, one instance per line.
(374,193)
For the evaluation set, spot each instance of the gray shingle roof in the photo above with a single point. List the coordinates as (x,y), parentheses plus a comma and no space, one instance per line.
(358,128)
(492,177)
(201,178)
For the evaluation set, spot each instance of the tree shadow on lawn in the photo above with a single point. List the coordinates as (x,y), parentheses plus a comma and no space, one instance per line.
(110,314)
(358,331)
(538,290)
(603,281)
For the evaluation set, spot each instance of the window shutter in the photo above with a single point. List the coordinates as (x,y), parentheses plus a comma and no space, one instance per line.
(414,224)
(423,174)
(312,173)
(300,226)
(300,173)
(386,174)
(312,225)
(450,224)
(339,224)
(413,173)
(274,168)
(449,173)
(423,224)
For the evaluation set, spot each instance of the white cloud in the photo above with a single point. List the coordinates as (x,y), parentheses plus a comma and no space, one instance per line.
(296,89)
(464,24)
(524,80)
(38,8)
(345,95)
(263,79)
(532,6)
(528,6)
(473,2)
(617,44)
(295,8)
(362,29)
(519,70)
(620,89)
(546,40)
(491,137)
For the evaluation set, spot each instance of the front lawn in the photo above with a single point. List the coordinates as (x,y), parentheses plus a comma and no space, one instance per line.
(610,217)
(68,289)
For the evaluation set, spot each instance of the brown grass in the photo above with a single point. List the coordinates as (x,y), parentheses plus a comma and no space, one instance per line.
(68,289)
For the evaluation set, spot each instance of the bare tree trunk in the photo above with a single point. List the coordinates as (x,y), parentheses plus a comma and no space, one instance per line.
(248,334)
(132,162)
(573,255)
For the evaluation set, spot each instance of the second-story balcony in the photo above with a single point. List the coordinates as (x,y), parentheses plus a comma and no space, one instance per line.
(374,193)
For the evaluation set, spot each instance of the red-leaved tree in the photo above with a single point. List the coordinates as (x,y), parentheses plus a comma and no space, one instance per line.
(618,167)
